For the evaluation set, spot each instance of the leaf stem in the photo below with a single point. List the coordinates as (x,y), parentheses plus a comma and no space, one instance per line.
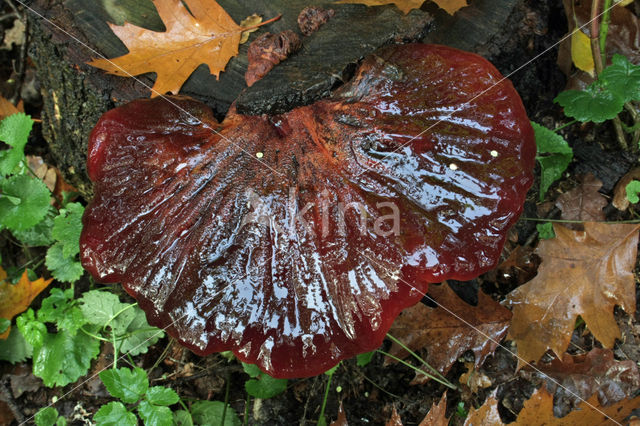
(604,29)
(246,410)
(227,392)
(95,336)
(557,129)
(324,400)
(118,313)
(416,356)
(419,370)
(262,23)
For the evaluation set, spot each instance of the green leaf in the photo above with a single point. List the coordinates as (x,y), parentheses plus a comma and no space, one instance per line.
(31,329)
(67,227)
(365,358)
(182,418)
(633,189)
(40,234)
(4,325)
(102,307)
(251,369)
(265,386)
(159,395)
(554,156)
(60,308)
(139,334)
(595,103)
(114,414)
(46,417)
(209,413)
(622,78)
(14,131)
(63,358)
(24,202)
(15,348)
(332,370)
(125,384)
(154,415)
(545,231)
(65,269)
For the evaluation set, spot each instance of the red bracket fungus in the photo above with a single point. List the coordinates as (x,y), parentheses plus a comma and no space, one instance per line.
(295,240)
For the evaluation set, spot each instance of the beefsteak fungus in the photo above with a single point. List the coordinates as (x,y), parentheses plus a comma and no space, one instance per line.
(295,240)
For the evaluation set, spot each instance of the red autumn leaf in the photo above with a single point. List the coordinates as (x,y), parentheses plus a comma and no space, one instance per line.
(277,236)
(451,329)
(582,273)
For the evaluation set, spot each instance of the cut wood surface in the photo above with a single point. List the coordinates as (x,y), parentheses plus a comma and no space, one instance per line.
(80,93)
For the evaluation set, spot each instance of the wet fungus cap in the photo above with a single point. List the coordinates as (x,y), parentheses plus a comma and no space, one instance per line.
(295,240)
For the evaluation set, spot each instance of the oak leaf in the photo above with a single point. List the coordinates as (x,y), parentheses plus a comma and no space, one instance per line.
(450,329)
(406,6)
(207,35)
(16,298)
(437,415)
(538,410)
(582,273)
(486,414)
(578,377)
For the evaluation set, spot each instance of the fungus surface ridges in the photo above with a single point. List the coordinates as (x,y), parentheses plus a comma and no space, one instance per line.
(295,240)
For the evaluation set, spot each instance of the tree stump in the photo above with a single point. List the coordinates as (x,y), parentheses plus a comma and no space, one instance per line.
(75,31)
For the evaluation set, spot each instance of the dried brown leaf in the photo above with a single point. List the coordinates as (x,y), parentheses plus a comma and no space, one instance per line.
(538,410)
(437,414)
(269,50)
(581,376)
(583,203)
(582,273)
(395,419)
(311,18)
(620,200)
(342,417)
(7,108)
(474,379)
(450,329)
(487,414)
(207,35)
